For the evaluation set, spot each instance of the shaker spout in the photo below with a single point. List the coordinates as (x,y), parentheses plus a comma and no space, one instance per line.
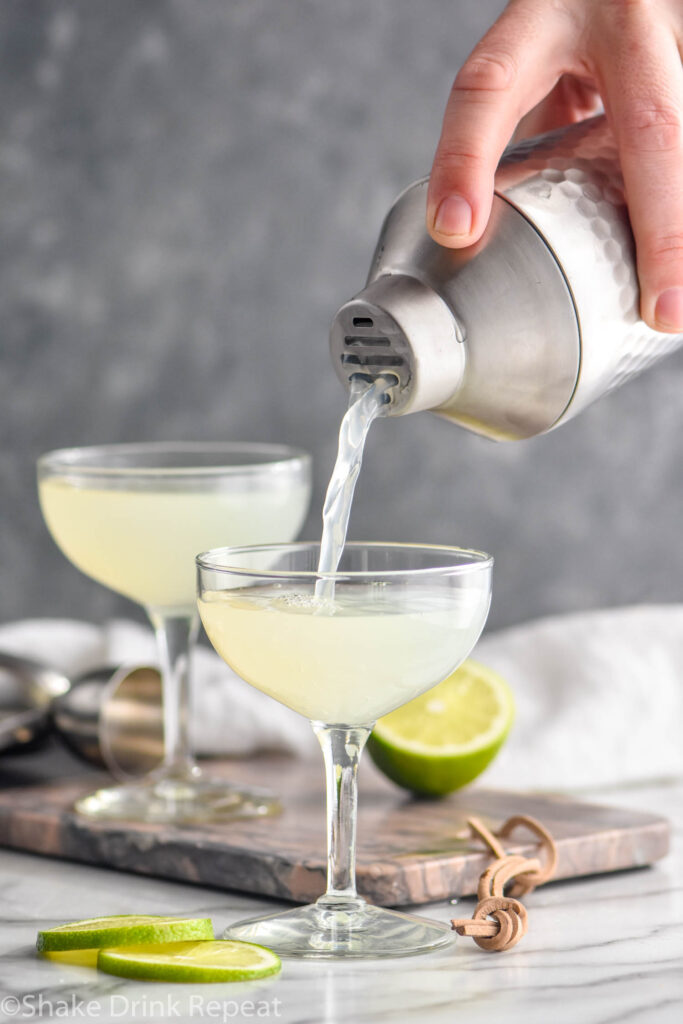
(399,326)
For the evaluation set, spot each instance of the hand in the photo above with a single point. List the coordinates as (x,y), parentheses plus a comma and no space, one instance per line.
(551,62)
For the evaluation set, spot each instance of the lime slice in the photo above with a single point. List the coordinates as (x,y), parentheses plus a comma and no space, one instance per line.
(122,930)
(443,739)
(191,961)
(80,957)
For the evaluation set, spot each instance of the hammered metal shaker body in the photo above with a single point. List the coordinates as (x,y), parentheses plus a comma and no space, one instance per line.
(520,332)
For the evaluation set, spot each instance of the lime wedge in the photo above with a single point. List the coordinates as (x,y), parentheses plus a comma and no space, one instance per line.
(443,739)
(191,961)
(121,930)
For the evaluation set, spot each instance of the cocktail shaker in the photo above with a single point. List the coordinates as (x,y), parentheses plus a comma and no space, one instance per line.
(516,334)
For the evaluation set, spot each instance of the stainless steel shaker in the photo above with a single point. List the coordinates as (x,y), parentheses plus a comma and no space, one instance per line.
(516,334)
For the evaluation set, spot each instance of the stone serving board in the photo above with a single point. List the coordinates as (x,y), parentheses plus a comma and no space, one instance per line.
(409,851)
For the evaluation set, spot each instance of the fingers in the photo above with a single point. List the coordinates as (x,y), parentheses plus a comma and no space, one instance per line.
(573,99)
(516,63)
(643,83)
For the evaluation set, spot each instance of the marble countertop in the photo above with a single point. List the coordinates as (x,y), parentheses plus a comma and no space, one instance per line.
(600,950)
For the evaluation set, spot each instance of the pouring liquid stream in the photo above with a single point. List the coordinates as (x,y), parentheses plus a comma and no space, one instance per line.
(368,399)
(345,651)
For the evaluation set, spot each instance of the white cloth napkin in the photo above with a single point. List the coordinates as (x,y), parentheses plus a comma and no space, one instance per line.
(599,694)
(599,698)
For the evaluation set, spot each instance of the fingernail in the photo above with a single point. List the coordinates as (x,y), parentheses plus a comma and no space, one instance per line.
(454,216)
(669,309)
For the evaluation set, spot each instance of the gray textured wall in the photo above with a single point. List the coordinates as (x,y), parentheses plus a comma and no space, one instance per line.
(188,190)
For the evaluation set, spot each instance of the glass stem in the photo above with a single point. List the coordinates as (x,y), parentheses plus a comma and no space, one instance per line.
(341,749)
(175,635)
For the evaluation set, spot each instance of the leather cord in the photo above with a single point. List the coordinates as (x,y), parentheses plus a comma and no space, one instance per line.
(500,921)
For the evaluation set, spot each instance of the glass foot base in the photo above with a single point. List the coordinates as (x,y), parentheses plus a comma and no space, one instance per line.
(177,801)
(353,930)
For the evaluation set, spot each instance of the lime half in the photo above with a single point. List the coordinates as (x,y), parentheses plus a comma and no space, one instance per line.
(191,961)
(122,930)
(446,737)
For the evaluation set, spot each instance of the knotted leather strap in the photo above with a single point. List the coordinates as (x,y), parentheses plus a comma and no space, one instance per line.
(500,921)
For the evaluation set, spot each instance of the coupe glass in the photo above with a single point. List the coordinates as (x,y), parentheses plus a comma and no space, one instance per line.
(343,649)
(133,517)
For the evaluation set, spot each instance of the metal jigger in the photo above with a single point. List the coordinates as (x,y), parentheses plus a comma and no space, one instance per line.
(113,718)
(110,716)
